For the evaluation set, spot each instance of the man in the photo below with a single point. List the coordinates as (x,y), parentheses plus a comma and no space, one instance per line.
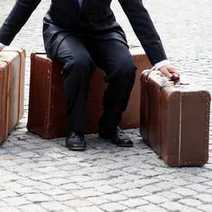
(80,33)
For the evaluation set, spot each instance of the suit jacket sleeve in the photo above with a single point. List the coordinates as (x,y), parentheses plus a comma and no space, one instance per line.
(144,29)
(19,15)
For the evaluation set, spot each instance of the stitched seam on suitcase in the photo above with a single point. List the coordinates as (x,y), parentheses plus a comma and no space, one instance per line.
(6,131)
(180,131)
(19,86)
(2,102)
(48,112)
(30,109)
(207,122)
(50,98)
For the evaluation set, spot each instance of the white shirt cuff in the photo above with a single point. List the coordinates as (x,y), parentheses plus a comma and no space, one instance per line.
(161,63)
(2,45)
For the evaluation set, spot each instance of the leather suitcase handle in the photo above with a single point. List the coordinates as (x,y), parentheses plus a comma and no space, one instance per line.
(173,81)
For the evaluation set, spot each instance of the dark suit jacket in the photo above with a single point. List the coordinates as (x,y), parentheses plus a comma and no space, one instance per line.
(94,18)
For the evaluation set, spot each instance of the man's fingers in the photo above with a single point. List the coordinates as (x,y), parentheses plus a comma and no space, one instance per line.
(170,72)
(173,70)
(166,72)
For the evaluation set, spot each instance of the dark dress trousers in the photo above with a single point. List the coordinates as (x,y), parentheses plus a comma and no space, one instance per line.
(80,37)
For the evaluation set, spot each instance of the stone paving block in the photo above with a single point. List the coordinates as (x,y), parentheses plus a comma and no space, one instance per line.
(55,191)
(37,197)
(16,201)
(2,203)
(9,209)
(196,179)
(55,206)
(63,197)
(207,174)
(198,187)
(135,193)
(146,181)
(208,191)
(76,203)
(170,195)
(98,200)
(151,208)
(115,197)
(127,186)
(28,182)
(177,181)
(186,209)
(184,191)
(155,199)
(89,209)
(9,178)
(113,207)
(13,186)
(32,208)
(190,202)
(86,193)
(78,179)
(134,202)
(204,198)
(206,207)
(70,186)
(177,207)
(152,188)
(164,185)
(107,189)
(6,194)
(57,181)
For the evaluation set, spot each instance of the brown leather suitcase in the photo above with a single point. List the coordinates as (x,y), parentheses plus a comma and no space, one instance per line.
(12,68)
(175,119)
(47,113)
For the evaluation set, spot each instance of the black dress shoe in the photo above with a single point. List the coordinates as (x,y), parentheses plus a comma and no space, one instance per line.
(116,136)
(76,142)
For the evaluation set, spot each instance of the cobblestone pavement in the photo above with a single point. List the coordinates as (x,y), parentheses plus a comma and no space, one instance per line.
(37,175)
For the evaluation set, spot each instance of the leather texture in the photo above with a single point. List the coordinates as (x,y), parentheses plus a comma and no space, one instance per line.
(175,119)
(94,18)
(12,68)
(47,107)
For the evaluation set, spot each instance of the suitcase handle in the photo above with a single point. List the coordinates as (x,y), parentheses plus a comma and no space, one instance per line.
(165,81)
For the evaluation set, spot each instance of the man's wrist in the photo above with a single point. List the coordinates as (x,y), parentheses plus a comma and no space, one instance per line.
(161,63)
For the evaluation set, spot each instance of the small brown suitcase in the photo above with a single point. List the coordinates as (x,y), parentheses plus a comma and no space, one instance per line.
(12,66)
(47,113)
(175,119)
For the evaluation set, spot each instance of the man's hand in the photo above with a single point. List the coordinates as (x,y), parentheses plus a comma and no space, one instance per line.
(170,72)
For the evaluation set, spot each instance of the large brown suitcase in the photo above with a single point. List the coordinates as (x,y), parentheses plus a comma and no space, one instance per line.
(47,113)
(12,66)
(175,119)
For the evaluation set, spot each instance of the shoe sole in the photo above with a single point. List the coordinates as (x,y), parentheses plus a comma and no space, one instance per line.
(109,139)
(77,148)
(127,146)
